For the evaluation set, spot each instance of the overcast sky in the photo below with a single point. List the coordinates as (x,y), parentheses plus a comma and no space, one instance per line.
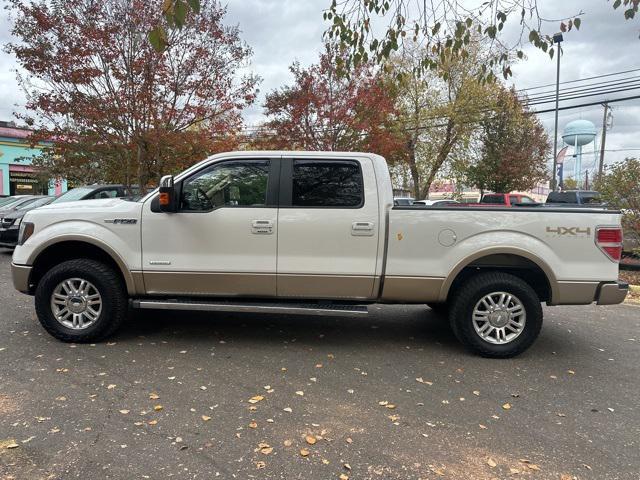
(281,31)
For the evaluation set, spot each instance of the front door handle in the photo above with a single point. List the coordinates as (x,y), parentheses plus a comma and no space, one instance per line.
(262,227)
(362,229)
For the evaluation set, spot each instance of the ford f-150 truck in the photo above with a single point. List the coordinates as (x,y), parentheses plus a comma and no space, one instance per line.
(311,233)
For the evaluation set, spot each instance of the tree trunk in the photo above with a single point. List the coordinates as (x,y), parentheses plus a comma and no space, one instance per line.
(449,141)
(413,168)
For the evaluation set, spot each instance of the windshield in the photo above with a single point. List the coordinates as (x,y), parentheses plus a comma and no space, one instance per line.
(17,202)
(38,202)
(7,201)
(72,195)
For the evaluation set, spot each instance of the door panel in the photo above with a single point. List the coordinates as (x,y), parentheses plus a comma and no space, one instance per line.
(223,240)
(328,229)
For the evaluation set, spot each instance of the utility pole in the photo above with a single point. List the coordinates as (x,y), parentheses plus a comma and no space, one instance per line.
(604,139)
(586,179)
(557,39)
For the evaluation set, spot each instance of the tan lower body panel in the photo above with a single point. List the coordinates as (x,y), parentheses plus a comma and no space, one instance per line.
(352,287)
(218,284)
(412,289)
(575,293)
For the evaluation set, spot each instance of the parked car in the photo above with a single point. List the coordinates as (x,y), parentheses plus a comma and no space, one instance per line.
(311,233)
(10,222)
(574,197)
(505,199)
(7,201)
(17,202)
(436,203)
(93,192)
(403,201)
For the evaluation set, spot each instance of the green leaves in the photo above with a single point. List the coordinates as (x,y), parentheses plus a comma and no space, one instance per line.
(175,13)
(158,38)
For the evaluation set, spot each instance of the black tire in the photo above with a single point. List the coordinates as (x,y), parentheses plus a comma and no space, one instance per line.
(472,291)
(108,284)
(439,308)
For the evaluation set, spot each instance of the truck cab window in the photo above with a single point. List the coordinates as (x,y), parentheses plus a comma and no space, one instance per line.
(228,184)
(331,184)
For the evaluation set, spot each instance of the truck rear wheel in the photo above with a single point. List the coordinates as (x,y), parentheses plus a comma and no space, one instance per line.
(81,301)
(496,315)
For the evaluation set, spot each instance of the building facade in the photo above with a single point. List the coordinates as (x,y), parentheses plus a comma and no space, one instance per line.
(17,174)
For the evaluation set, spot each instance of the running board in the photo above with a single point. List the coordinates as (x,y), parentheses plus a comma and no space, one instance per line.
(325,309)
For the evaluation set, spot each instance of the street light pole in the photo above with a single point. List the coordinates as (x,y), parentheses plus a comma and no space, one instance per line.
(557,39)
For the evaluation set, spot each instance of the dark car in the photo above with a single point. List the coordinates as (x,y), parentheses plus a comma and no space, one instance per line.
(93,192)
(575,197)
(10,222)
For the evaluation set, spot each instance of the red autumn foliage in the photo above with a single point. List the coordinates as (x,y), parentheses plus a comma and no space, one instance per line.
(322,110)
(117,109)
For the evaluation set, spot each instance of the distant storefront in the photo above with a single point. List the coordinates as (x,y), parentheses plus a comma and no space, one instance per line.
(17,175)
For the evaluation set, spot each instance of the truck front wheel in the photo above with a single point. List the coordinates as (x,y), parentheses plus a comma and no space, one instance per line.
(81,300)
(496,315)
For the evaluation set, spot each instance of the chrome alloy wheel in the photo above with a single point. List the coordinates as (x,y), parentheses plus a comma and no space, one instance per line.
(499,318)
(76,303)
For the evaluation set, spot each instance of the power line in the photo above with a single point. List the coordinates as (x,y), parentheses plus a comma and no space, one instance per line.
(570,107)
(579,80)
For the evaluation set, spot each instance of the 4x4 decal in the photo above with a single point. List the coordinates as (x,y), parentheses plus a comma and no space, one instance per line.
(571,231)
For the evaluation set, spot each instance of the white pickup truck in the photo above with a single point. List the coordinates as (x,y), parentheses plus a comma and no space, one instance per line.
(311,233)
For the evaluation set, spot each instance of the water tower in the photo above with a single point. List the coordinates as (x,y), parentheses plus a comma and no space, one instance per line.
(578,134)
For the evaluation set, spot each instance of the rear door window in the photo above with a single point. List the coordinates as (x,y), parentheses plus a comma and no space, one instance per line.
(493,199)
(329,184)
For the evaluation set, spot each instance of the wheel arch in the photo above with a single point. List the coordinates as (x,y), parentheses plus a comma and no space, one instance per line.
(508,259)
(59,249)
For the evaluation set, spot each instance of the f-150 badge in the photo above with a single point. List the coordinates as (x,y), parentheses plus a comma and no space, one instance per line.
(122,221)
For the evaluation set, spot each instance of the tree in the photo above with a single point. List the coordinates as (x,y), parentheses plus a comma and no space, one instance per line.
(514,148)
(322,110)
(620,188)
(117,109)
(374,29)
(437,114)
(569,184)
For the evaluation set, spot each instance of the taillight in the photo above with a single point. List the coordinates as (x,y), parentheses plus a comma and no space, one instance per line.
(609,240)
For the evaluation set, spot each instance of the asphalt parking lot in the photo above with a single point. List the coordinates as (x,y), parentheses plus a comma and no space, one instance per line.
(247,396)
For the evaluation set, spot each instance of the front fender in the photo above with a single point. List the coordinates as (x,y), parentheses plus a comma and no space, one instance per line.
(123,246)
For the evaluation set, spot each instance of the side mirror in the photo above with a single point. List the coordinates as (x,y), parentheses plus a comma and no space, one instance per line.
(167,199)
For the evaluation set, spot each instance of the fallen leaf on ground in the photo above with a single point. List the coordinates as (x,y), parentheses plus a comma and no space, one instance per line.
(124,412)
(157,408)
(288,409)
(205,418)
(304,452)
(507,406)
(422,380)
(256,399)
(266,450)
(253,425)
(343,477)
(152,422)
(111,386)
(300,392)
(310,439)
(514,471)
(260,465)
(491,463)
(154,396)
(288,443)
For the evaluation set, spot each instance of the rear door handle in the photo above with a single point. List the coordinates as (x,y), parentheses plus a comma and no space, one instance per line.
(262,227)
(362,229)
